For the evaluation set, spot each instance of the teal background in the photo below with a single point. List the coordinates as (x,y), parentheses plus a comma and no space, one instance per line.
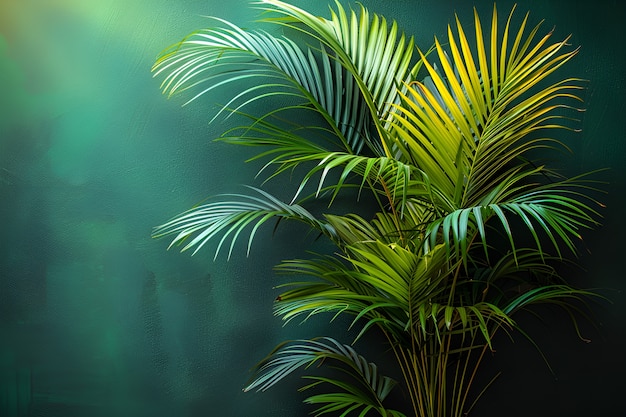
(97,319)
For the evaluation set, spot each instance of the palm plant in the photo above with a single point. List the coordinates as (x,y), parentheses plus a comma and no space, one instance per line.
(442,141)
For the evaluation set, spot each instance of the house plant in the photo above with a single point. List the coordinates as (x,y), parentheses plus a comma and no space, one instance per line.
(463,225)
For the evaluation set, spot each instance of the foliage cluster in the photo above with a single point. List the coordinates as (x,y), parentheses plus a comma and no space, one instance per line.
(467,224)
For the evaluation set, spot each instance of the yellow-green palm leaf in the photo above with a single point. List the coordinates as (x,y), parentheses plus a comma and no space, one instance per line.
(471,123)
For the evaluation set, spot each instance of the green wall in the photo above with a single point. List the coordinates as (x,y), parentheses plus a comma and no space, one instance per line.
(97,319)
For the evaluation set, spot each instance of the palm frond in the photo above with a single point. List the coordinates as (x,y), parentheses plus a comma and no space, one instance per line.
(383,176)
(469,127)
(365,391)
(482,317)
(384,284)
(332,287)
(557,211)
(376,54)
(266,66)
(228,219)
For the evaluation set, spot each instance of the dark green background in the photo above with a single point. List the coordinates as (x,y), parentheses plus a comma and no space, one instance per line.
(97,319)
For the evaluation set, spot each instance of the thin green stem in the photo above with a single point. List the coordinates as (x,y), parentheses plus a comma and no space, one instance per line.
(405,368)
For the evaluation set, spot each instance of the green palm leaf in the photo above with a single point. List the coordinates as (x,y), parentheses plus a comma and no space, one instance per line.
(268,66)
(556,209)
(377,55)
(366,392)
(230,218)
(334,287)
(384,284)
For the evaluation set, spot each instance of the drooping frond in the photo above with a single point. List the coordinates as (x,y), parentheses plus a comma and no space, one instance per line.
(374,52)
(228,219)
(557,210)
(364,390)
(262,65)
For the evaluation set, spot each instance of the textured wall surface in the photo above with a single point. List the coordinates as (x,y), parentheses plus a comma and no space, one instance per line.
(97,319)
